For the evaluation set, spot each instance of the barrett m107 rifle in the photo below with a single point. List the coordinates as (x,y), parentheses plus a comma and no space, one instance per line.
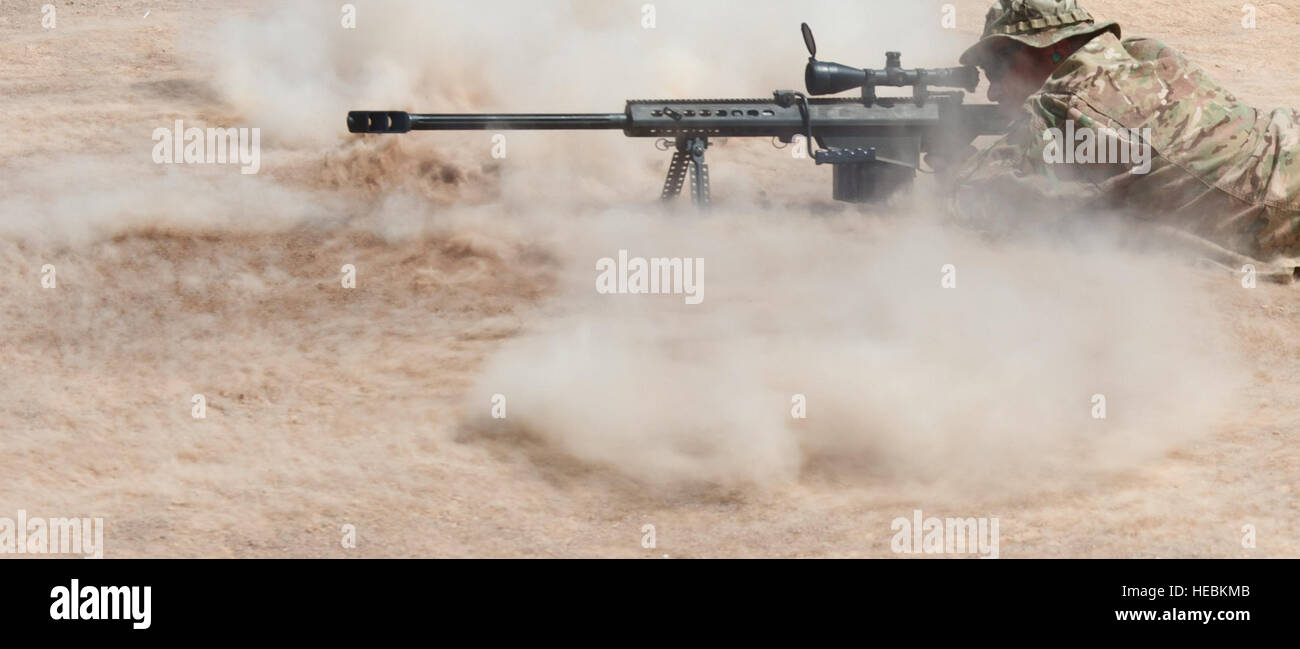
(873,143)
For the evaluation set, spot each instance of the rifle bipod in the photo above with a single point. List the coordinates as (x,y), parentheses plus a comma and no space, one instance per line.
(690,151)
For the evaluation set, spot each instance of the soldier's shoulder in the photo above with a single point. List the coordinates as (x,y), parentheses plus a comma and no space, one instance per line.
(1150,49)
(1101,54)
(1109,54)
(1126,81)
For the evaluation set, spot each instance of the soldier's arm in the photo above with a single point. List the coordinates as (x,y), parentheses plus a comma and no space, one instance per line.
(1013,175)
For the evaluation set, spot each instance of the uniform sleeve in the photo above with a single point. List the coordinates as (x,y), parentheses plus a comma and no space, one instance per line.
(1013,175)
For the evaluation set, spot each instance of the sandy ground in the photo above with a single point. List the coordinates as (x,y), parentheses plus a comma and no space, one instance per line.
(328,407)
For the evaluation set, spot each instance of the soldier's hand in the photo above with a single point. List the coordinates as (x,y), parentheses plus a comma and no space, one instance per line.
(946,161)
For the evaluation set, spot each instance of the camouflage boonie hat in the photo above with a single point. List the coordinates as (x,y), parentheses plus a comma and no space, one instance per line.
(1036,23)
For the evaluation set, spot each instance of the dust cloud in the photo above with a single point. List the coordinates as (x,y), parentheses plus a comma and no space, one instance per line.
(991,383)
(477,277)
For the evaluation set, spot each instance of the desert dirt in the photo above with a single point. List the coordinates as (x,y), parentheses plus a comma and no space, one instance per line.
(328,406)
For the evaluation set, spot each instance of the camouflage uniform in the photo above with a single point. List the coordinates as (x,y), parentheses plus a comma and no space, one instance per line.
(1220,170)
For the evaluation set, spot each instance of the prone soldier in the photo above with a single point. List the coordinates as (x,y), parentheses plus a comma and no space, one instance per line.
(1219,171)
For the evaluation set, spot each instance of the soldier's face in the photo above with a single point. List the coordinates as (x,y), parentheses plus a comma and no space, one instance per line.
(1014,74)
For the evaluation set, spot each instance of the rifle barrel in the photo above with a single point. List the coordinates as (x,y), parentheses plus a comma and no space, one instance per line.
(367,121)
(520,122)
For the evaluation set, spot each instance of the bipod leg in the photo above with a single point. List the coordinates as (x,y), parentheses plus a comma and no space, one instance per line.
(689,153)
(676,176)
(699,171)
